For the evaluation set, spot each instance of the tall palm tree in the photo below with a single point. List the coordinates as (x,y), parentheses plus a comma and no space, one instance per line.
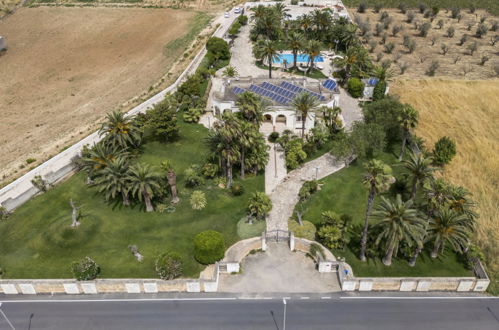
(312,49)
(461,202)
(305,23)
(348,35)
(355,59)
(449,227)
(399,222)
(378,178)
(246,140)
(144,183)
(437,194)
(330,115)
(267,50)
(383,73)
(295,42)
(281,12)
(304,103)
(258,12)
(113,180)
(120,130)
(251,107)
(408,120)
(171,176)
(420,170)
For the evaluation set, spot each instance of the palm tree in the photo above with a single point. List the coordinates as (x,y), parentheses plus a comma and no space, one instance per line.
(303,103)
(144,183)
(171,176)
(98,158)
(113,180)
(408,119)
(398,222)
(383,73)
(312,49)
(251,107)
(348,35)
(120,130)
(295,42)
(354,58)
(420,170)
(281,11)
(267,50)
(230,72)
(461,202)
(305,22)
(378,178)
(330,116)
(449,227)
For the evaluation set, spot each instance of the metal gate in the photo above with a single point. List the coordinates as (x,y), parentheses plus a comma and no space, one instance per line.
(277,235)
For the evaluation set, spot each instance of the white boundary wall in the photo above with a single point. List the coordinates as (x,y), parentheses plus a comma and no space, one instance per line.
(61,165)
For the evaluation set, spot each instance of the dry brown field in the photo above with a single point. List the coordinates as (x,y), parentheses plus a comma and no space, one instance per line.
(457,63)
(66,67)
(466,111)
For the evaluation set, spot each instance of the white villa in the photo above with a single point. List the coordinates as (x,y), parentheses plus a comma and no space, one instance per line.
(280,92)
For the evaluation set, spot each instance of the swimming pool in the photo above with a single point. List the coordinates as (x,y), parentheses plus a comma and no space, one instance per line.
(301,58)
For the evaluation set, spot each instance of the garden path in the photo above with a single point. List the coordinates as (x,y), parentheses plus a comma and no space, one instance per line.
(275,170)
(285,195)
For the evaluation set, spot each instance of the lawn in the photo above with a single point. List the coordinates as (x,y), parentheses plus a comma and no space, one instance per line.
(344,193)
(37,241)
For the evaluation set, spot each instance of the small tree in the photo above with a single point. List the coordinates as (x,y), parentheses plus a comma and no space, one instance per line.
(377,7)
(402,7)
(455,12)
(389,47)
(444,151)
(198,200)
(410,17)
(432,68)
(450,32)
(440,24)
(362,8)
(422,8)
(481,30)
(259,205)
(396,29)
(424,28)
(355,87)
(209,247)
(473,47)
(40,184)
(484,59)
(85,270)
(169,266)
(372,46)
(463,39)
(403,67)
(445,48)
(379,90)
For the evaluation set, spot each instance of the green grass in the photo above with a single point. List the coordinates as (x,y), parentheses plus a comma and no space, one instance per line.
(492,6)
(246,230)
(344,193)
(37,241)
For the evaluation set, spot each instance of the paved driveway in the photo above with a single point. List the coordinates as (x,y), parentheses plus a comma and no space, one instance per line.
(279,270)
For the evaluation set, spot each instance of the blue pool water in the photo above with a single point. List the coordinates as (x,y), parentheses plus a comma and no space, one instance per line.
(300,59)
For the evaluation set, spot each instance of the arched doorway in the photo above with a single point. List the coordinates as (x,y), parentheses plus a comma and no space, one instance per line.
(281,119)
(267,118)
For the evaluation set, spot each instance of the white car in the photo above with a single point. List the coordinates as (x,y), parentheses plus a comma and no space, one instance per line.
(226,15)
(237,10)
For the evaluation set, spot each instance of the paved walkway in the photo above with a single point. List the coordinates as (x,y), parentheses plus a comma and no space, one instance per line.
(285,195)
(350,109)
(279,270)
(275,171)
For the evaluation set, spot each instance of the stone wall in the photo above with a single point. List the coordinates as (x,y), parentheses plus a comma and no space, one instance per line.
(108,286)
(241,249)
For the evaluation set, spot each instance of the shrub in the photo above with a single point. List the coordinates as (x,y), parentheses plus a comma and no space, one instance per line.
(445,48)
(4,214)
(259,204)
(30,160)
(330,236)
(422,8)
(218,48)
(473,47)
(237,189)
(362,8)
(379,90)
(169,266)
(192,178)
(243,20)
(273,137)
(306,231)
(40,183)
(410,17)
(444,151)
(402,7)
(295,155)
(389,47)
(209,170)
(481,30)
(315,250)
(198,200)
(424,28)
(160,208)
(85,269)
(377,7)
(455,12)
(308,188)
(294,2)
(450,32)
(192,115)
(355,87)
(209,247)
(432,68)
(463,39)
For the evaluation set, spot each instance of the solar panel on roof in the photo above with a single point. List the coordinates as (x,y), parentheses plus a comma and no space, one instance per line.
(372,81)
(329,84)
(237,90)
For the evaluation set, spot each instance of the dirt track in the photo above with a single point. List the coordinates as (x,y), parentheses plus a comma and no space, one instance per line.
(66,67)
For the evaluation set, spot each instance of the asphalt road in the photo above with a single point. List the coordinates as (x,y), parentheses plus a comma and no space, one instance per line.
(373,314)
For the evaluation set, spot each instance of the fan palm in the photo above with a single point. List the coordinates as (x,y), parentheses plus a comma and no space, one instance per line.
(408,120)
(383,73)
(312,49)
(113,180)
(304,103)
(399,222)
(120,130)
(144,183)
(355,59)
(295,42)
(230,72)
(98,158)
(378,178)
(348,35)
(420,170)
(267,50)
(251,107)
(449,227)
